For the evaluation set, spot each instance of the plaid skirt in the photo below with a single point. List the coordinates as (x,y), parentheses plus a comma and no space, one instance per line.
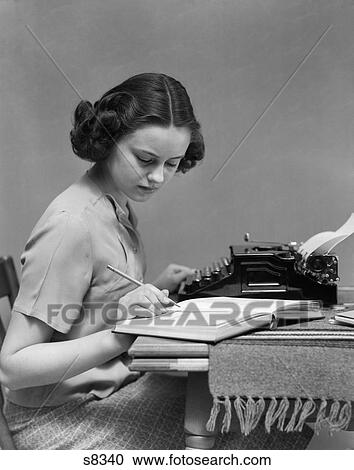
(145,414)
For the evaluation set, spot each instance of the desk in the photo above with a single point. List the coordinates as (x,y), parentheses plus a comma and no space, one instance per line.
(161,355)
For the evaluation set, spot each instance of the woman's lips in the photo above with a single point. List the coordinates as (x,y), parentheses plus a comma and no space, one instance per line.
(148,189)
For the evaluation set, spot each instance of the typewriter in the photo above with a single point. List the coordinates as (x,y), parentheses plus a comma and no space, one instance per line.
(266,270)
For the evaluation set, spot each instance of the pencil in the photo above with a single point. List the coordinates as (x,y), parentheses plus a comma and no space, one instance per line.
(132,280)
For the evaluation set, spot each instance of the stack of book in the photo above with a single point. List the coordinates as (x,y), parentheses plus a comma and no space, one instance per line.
(161,354)
(345,316)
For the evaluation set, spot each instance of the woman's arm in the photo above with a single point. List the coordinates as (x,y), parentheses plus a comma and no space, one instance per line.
(28,359)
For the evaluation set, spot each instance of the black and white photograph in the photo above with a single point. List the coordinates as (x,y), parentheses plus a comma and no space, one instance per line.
(176,241)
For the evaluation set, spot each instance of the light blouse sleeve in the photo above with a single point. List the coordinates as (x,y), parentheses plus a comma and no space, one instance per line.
(56,271)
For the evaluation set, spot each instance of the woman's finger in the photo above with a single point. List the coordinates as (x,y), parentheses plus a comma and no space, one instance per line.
(141,311)
(160,295)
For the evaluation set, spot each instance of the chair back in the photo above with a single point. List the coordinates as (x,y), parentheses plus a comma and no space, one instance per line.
(8,288)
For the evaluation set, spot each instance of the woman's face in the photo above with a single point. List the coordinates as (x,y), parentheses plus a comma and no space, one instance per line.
(147,159)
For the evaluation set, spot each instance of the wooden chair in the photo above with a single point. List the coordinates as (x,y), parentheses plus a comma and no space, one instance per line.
(8,288)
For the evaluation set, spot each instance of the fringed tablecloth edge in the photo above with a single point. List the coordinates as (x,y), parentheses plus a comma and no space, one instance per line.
(249,411)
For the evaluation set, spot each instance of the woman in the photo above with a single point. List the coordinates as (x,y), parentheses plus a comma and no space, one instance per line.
(66,375)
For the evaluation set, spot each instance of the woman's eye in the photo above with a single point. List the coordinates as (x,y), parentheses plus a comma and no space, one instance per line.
(172,165)
(149,161)
(143,160)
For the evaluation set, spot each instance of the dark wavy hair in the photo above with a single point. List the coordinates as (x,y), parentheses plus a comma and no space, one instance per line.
(144,99)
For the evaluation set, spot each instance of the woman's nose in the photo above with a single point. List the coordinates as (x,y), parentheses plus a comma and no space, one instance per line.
(157,175)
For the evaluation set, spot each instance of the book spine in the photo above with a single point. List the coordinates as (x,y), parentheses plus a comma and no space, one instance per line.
(190,365)
(201,350)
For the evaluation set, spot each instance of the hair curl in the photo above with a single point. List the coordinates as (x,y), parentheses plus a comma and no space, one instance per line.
(144,99)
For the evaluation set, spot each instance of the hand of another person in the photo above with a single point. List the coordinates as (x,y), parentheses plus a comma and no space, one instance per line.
(144,301)
(172,277)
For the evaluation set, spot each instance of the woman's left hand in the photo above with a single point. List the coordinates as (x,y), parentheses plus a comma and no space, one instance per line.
(172,277)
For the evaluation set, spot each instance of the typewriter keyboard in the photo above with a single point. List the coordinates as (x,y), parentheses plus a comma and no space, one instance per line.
(208,275)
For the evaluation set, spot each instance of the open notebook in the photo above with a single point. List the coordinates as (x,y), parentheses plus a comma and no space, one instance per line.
(215,318)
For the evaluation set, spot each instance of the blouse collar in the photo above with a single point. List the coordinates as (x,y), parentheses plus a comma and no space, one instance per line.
(123,209)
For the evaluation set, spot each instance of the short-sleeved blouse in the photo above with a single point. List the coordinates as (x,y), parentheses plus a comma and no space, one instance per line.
(65,282)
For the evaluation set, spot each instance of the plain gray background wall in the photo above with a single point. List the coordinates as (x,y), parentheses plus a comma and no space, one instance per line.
(291,177)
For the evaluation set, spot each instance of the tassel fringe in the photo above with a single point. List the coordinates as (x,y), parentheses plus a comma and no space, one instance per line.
(339,418)
(254,411)
(291,424)
(249,413)
(240,406)
(210,425)
(282,417)
(307,409)
(276,411)
(250,410)
(227,416)
(321,416)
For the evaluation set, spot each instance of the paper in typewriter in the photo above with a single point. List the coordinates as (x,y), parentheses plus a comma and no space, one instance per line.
(322,243)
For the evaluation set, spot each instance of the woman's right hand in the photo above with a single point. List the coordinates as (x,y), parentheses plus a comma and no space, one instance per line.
(144,301)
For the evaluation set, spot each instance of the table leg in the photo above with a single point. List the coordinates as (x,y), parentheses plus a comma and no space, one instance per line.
(198,406)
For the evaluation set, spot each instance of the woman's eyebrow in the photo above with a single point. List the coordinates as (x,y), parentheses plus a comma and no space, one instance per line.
(157,156)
